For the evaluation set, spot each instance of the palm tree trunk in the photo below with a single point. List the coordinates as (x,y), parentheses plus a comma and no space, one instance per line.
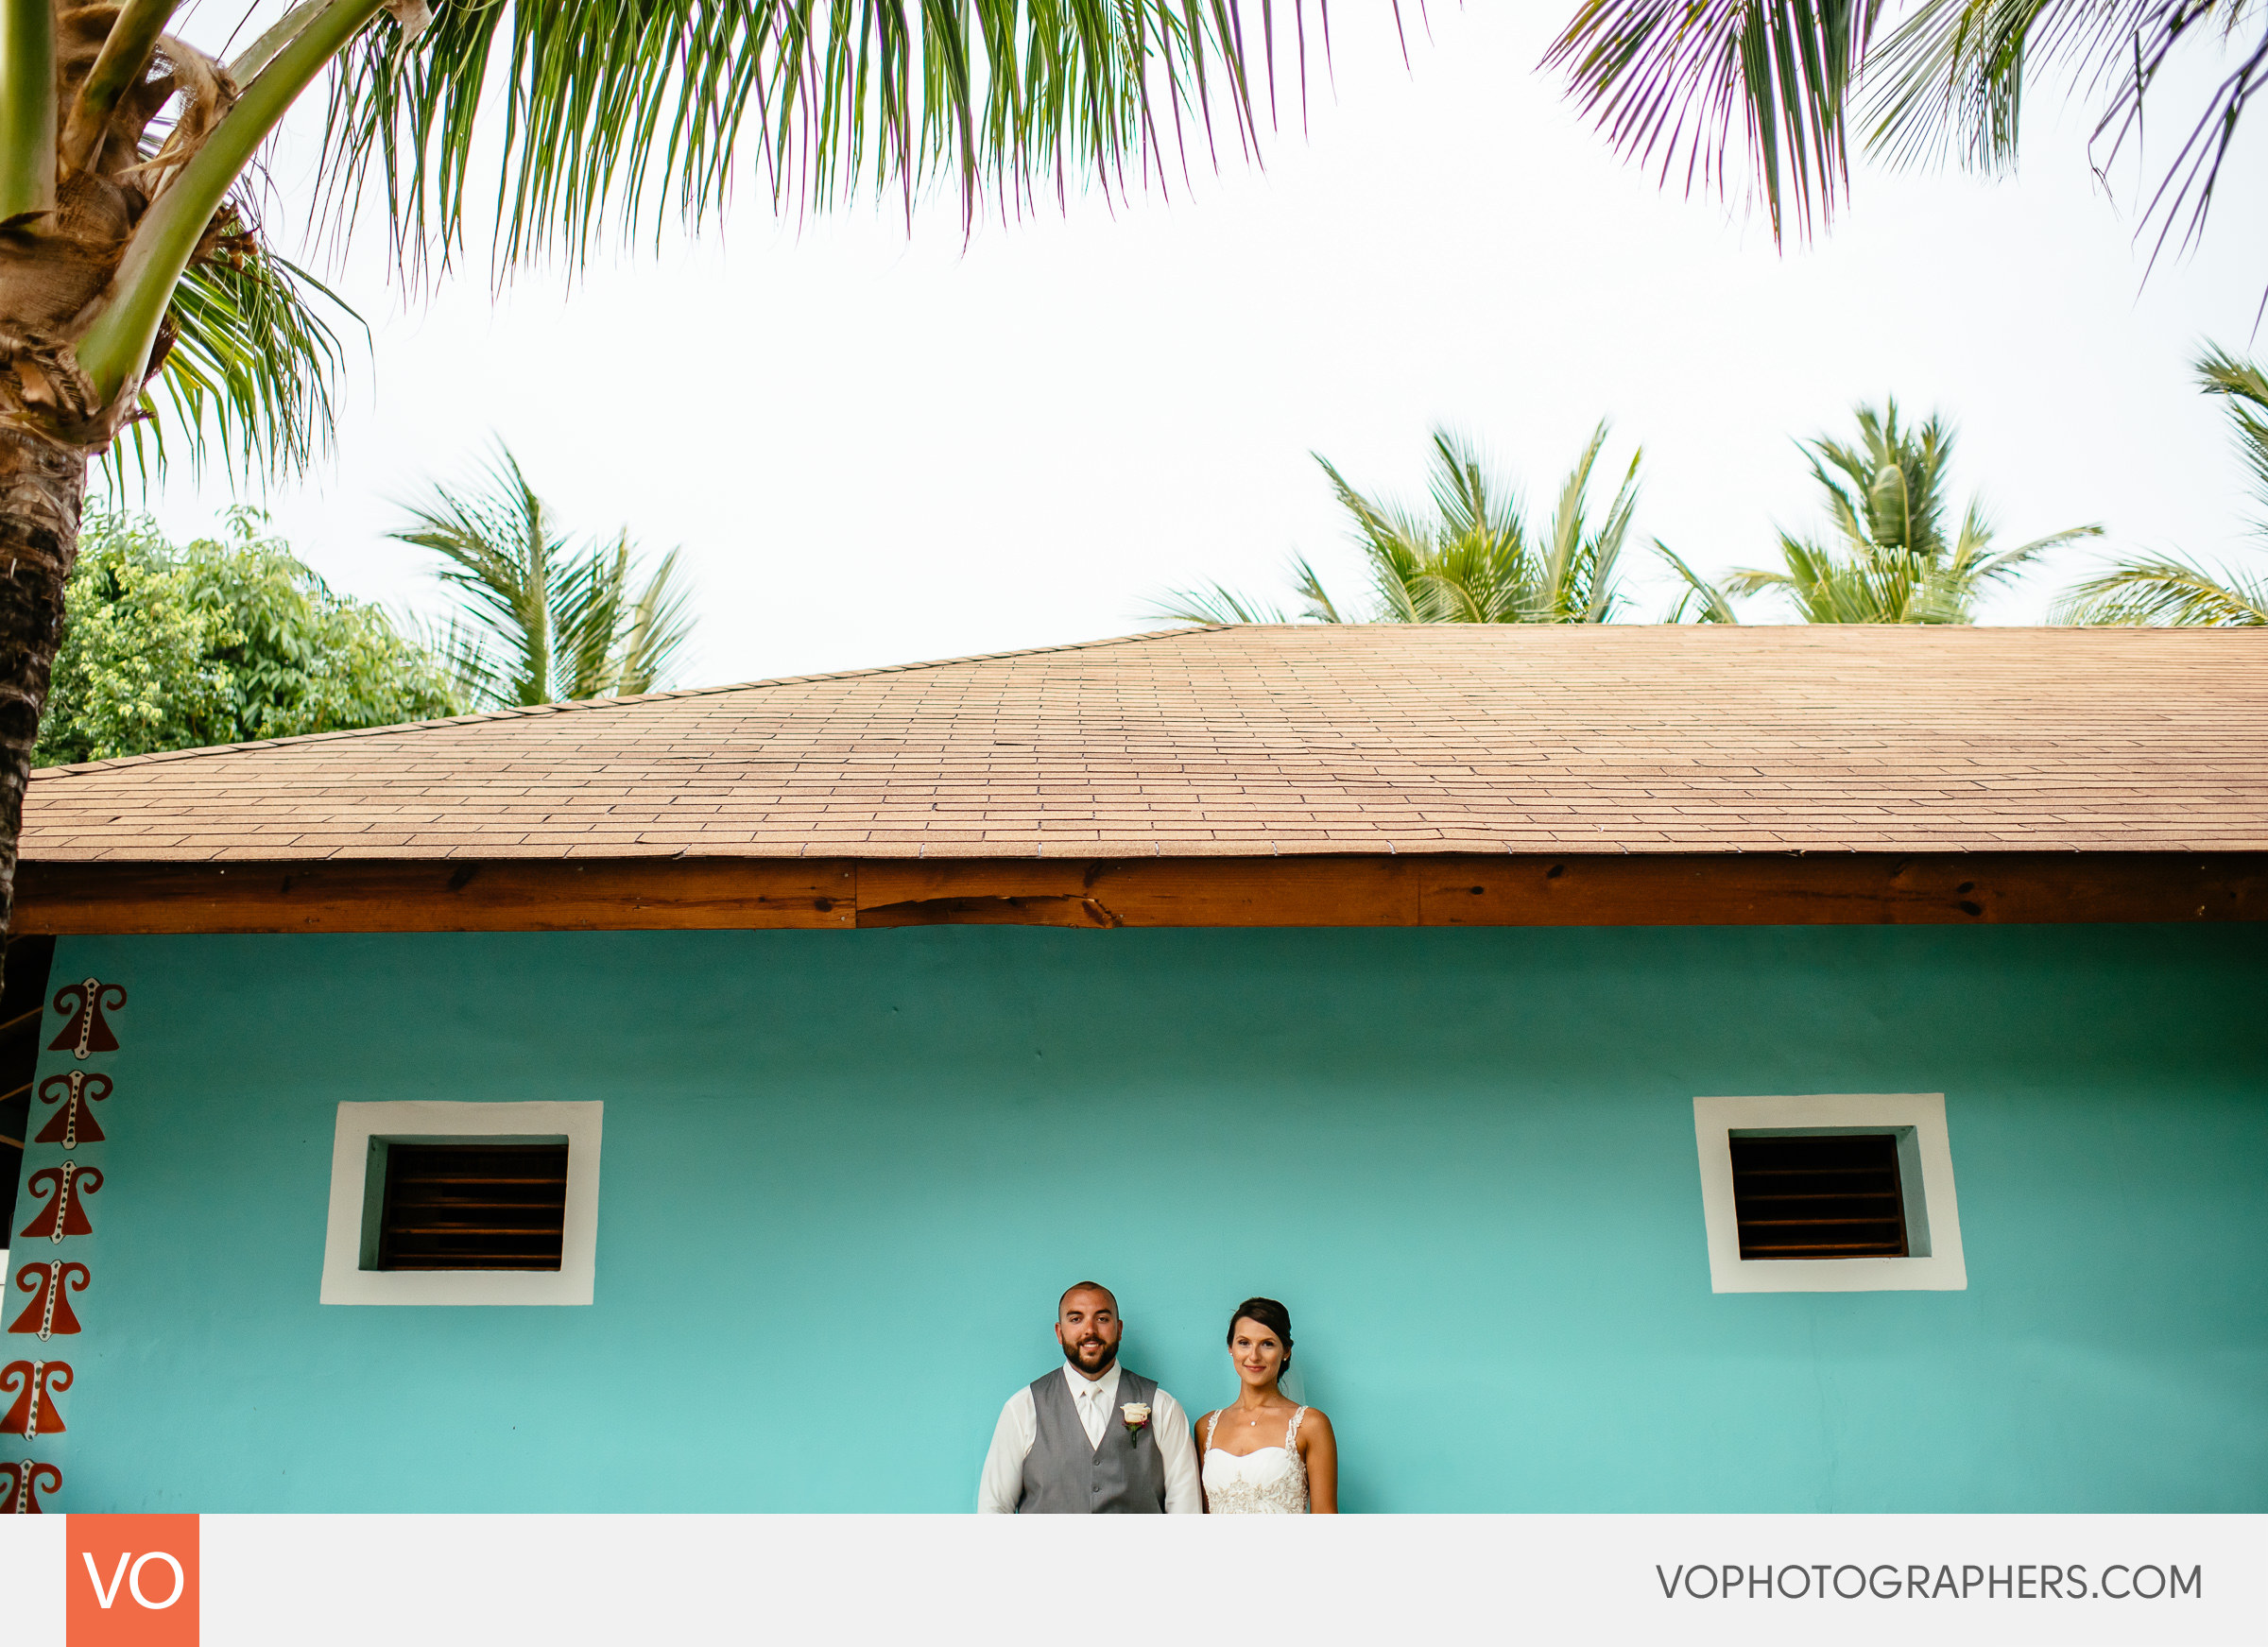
(43,484)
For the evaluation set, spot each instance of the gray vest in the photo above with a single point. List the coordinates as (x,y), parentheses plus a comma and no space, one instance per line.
(1063,1475)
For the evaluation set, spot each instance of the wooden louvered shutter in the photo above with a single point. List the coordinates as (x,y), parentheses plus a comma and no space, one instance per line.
(1819,1196)
(472,1206)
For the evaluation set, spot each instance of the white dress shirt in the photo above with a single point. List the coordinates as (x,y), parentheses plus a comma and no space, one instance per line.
(1095,1401)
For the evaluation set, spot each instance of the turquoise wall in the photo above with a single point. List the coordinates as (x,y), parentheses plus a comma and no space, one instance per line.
(845,1176)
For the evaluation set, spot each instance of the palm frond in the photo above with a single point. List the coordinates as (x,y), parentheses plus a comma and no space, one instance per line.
(1580,575)
(1984,569)
(1673,77)
(1743,581)
(1951,585)
(655,630)
(1394,543)
(590,599)
(1212,603)
(615,114)
(542,619)
(1826,586)
(2143,34)
(2174,588)
(251,374)
(1470,561)
(1475,561)
(2220,372)
(508,565)
(1566,535)
(1953,78)
(468,660)
(1316,603)
(2167,588)
(1712,604)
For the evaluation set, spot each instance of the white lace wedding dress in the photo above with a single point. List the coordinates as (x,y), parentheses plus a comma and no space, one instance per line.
(1271,1481)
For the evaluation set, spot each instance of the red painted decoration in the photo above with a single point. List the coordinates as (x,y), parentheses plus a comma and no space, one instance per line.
(74,1124)
(22,1484)
(34,1413)
(50,1286)
(66,1214)
(84,1029)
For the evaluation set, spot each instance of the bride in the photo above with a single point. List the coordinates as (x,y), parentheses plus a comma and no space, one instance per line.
(1265,1456)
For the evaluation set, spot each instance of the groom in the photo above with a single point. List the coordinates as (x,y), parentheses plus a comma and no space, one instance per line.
(1089,1438)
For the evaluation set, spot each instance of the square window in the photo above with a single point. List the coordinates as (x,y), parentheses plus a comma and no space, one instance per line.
(463,1203)
(1828,1193)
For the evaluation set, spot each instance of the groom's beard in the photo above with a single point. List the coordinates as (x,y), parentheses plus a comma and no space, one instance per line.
(1076,1351)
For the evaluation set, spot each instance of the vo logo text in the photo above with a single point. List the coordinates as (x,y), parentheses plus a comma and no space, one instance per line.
(131,1581)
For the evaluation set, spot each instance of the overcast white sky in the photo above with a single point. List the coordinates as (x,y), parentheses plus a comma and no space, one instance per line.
(876,447)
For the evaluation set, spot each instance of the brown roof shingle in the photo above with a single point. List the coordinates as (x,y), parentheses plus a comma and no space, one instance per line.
(1281,740)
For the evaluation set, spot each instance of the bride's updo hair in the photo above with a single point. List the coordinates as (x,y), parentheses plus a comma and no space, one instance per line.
(1269,1313)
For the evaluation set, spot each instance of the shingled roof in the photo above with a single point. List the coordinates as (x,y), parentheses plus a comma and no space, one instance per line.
(1260,741)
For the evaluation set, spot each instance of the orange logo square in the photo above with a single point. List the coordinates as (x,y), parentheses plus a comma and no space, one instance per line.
(131,1581)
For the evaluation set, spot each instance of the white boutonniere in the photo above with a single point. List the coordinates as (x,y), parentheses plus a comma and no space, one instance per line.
(1137,1417)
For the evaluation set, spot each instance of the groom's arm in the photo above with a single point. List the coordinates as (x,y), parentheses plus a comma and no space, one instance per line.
(1002,1483)
(1183,1497)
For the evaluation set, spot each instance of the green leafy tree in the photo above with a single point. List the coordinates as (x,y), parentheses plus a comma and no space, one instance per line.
(1890,558)
(1675,80)
(137,670)
(1471,561)
(220,641)
(134,276)
(2174,588)
(544,619)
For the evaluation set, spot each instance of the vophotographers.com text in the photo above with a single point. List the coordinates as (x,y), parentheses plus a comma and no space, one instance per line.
(1888,1581)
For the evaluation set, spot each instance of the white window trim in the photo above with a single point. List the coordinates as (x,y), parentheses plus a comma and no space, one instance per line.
(345,1281)
(1934,1217)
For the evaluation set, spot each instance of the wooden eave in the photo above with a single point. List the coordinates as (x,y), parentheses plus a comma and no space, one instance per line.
(727,893)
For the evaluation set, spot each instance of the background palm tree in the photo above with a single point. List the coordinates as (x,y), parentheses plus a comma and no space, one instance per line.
(1673,77)
(2173,589)
(129,256)
(1889,559)
(544,621)
(1471,561)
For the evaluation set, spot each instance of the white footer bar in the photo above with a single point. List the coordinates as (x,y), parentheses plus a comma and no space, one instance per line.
(2061,1581)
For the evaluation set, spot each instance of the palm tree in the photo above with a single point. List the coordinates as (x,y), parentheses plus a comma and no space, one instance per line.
(1471,561)
(2173,589)
(544,621)
(134,276)
(1672,78)
(1889,559)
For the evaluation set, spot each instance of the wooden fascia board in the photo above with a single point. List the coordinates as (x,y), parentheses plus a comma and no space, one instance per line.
(712,894)
(435,895)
